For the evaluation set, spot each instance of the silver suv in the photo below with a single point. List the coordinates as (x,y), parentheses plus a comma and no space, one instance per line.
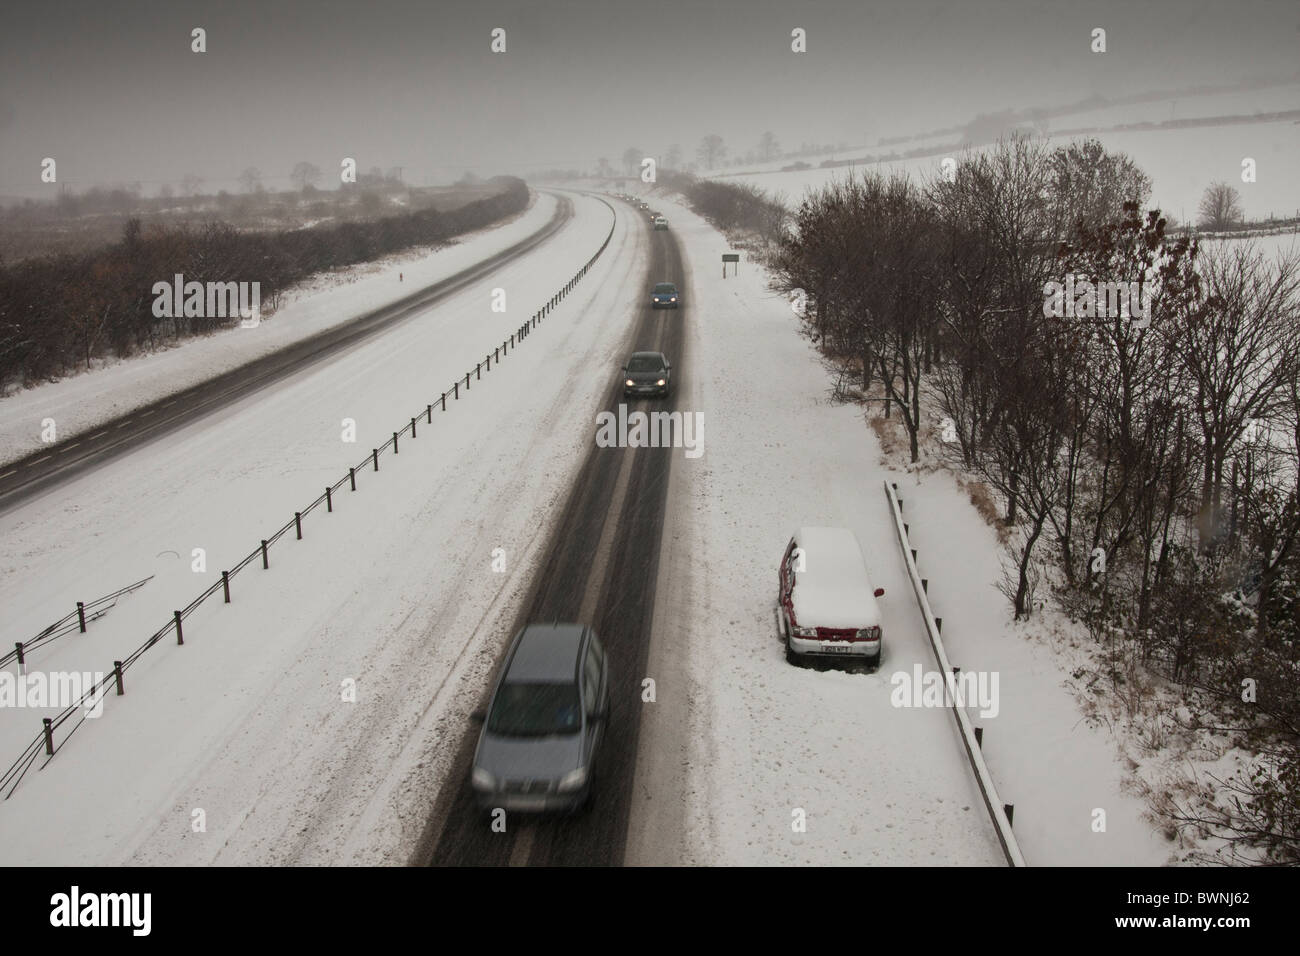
(545,721)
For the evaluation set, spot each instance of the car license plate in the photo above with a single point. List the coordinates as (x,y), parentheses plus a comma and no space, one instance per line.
(836,648)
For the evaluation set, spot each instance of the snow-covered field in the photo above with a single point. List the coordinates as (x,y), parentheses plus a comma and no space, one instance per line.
(878,784)
(394,590)
(1180,162)
(81,402)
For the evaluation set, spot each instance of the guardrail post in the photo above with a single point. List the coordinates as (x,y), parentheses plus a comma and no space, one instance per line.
(352,477)
(489,363)
(444,401)
(938,623)
(430,411)
(49,736)
(1010,810)
(180,634)
(478,371)
(81,615)
(913,549)
(329,500)
(455,390)
(979,737)
(117,677)
(225,585)
(297,523)
(394,443)
(512,340)
(266,563)
(497,352)
(18,646)
(374,457)
(412,427)
(925,585)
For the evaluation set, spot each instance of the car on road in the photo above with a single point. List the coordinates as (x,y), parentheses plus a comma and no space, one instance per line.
(660,222)
(544,724)
(664,296)
(826,604)
(643,205)
(647,373)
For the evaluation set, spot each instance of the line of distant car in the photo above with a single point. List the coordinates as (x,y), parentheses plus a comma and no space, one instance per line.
(658,220)
(549,708)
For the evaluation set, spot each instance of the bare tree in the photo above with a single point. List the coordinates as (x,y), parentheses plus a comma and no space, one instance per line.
(1220,206)
(632,157)
(768,148)
(305,174)
(250,179)
(711,150)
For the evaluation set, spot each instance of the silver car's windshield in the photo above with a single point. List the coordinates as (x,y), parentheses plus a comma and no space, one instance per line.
(535,710)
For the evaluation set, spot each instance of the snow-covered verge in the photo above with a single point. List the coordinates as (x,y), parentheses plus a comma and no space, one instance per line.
(245,746)
(84,401)
(763,740)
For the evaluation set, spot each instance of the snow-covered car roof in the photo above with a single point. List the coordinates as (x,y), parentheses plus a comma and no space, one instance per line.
(834,588)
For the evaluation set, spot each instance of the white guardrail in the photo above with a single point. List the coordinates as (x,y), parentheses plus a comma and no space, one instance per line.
(1001,822)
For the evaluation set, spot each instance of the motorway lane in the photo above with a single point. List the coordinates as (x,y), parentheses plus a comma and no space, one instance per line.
(602,566)
(48,467)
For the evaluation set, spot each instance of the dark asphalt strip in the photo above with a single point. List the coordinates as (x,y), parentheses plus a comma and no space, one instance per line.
(48,467)
(458,833)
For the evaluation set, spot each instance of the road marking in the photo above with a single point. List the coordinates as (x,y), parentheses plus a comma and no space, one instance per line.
(605,545)
(100,435)
(149,412)
(39,460)
(8,473)
(124,424)
(169,404)
(523,847)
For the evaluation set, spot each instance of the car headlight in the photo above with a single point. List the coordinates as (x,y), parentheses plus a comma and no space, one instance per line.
(482,780)
(573,780)
(662,381)
(869,634)
(630,382)
(804,631)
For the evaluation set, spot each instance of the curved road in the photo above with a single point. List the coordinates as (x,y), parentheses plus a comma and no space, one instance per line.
(47,467)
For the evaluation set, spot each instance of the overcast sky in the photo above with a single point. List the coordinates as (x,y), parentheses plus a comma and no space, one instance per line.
(114,94)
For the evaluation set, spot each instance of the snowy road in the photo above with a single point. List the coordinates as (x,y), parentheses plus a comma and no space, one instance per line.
(394,591)
(245,746)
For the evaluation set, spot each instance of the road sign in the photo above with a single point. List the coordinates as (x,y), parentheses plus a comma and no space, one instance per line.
(730,257)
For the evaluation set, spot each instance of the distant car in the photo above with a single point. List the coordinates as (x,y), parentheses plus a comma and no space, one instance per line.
(647,373)
(661,222)
(826,604)
(664,296)
(544,724)
(643,205)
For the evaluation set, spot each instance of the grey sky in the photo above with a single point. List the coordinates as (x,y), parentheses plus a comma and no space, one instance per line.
(113,93)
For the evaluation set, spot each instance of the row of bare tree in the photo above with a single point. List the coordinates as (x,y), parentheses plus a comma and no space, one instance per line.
(1146,455)
(63,311)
